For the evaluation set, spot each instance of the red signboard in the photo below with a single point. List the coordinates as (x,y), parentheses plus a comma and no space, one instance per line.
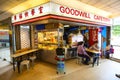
(93,36)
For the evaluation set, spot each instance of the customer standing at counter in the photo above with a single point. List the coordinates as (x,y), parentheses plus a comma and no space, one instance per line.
(82,53)
(60,50)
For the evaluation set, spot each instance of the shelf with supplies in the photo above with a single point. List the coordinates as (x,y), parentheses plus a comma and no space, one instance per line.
(49,39)
(48,43)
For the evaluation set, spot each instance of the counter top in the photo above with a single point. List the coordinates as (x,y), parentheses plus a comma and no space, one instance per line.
(93,51)
(23,53)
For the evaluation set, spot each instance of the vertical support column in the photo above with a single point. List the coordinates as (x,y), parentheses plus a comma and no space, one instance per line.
(32,36)
(12,40)
(17,37)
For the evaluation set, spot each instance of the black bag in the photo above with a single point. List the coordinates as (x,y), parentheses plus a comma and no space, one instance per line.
(60,51)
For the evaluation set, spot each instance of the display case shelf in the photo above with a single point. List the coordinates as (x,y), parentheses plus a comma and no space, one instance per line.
(49,39)
(48,43)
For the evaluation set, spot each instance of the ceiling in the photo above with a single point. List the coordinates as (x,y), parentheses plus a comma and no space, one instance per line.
(111,6)
(5,5)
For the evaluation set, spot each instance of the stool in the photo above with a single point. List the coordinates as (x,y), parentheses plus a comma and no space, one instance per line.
(32,58)
(24,62)
(79,60)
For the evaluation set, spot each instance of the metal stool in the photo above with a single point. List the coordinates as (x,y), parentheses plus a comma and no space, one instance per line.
(32,58)
(24,62)
(79,60)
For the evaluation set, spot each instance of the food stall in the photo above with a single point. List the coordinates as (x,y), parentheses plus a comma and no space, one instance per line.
(48,40)
(43,28)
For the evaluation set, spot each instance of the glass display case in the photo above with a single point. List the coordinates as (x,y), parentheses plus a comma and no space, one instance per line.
(49,39)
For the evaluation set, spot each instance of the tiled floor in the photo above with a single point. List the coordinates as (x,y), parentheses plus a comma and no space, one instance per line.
(105,71)
(45,71)
(4,66)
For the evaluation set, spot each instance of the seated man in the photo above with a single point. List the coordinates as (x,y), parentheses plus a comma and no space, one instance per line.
(109,50)
(94,46)
(82,53)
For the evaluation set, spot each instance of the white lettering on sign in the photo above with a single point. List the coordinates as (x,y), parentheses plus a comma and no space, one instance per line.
(56,9)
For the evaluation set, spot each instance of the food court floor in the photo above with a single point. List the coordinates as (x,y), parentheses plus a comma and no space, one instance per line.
(45,71)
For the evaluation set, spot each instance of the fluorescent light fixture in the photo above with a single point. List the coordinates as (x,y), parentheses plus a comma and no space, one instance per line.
(66,25)
(3,30)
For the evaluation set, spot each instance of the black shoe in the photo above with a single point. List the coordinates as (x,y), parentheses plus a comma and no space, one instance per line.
(86,63)
(82,62)
(117,75)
